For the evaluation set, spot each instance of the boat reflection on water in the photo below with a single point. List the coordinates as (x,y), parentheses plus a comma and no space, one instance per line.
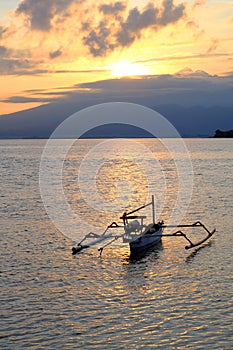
(139,269)
(150,254)
(191,256)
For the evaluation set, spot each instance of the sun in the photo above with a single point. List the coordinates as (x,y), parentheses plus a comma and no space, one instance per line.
(127,69)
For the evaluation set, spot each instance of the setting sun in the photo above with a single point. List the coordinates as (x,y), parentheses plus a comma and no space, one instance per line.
(125,69)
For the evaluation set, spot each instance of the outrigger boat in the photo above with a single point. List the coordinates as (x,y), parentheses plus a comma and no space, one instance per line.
(139,236)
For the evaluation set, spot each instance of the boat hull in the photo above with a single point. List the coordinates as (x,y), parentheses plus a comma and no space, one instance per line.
(146,241)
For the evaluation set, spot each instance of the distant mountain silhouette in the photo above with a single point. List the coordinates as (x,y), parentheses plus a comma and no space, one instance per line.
(40,122)
(190,73)
(195,102)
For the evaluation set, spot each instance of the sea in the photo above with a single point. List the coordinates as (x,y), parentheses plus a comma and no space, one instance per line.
(166,298)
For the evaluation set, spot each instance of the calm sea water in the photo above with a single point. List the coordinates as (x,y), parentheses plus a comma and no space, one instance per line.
(170,298)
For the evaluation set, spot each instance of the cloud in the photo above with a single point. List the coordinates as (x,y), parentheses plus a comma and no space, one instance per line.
(187,87)
(24,99)
(4,51)
(10,66)
(135,23)
(106,35)
(112,9)
(198,3)
(109,26)
(213,46)
(2,31)
(17,67)
(98,40)
(186,57)
(43,30)
(170,13)
(40,13)
(55,54)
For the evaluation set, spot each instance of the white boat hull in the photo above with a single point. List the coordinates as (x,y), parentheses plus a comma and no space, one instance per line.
(146,240)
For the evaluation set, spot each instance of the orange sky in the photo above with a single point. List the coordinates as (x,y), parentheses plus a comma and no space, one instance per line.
(53,47)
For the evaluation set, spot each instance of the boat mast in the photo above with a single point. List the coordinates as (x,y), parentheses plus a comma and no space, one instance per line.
(153,208)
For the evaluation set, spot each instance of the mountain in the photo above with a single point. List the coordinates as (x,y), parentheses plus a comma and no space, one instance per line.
(40,122)
(196,103)
(188,72)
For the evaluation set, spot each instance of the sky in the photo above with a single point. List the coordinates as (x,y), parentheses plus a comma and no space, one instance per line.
(48,47)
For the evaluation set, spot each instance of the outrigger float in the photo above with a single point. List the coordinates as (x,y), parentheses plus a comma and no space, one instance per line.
(139,236)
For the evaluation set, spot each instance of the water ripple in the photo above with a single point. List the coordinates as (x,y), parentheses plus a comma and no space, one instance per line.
(167,299)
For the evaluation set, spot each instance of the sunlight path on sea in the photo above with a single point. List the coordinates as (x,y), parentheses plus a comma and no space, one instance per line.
(169,299)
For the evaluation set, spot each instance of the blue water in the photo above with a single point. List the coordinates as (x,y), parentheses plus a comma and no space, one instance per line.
(169,299)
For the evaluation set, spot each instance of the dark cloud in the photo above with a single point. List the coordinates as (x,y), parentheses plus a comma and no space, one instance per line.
(187,87)
(24,99)
(98,40)
(17,67)
(10,66)
(170,13)
(135,23)
(4,51)
(113,9)
(40,13)
(55,54)
(128,25)
(106,27)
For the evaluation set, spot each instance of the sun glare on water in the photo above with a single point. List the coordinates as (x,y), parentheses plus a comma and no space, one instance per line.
(127,69)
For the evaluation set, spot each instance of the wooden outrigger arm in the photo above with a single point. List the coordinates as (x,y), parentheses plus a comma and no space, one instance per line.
(182,234)
(98,238)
